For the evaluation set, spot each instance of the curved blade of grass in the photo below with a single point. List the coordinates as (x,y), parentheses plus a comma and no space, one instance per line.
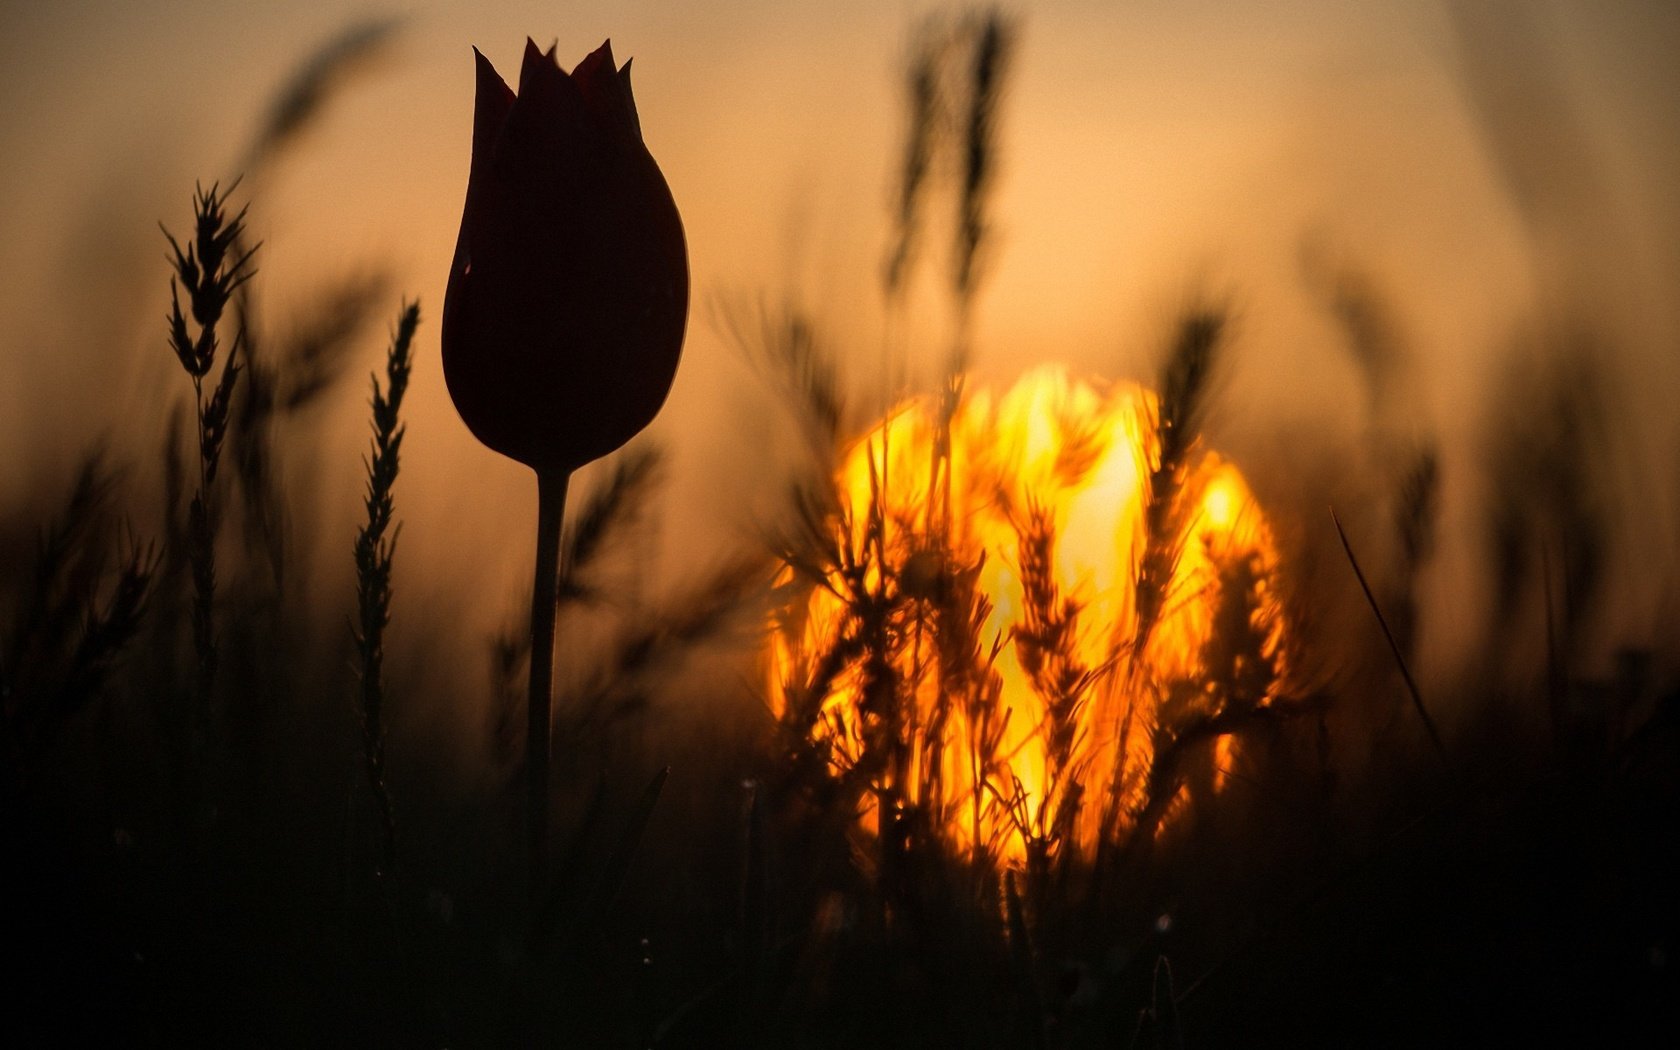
(1393,646)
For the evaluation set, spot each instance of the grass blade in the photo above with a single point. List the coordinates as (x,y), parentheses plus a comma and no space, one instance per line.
(1393,646)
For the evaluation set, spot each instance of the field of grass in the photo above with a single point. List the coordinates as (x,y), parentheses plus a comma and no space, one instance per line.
(214,833)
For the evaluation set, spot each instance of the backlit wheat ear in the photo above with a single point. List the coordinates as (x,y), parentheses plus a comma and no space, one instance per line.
(1185,378)
(213,266)
(1184,381)
(376,545)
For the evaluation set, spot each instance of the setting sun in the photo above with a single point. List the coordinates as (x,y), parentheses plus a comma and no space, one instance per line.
(1058,524)
(1017,691)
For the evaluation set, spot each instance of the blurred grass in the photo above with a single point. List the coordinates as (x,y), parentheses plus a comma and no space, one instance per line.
(167,884)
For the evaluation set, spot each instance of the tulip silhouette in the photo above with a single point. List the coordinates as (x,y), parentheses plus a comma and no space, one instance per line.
(566,307)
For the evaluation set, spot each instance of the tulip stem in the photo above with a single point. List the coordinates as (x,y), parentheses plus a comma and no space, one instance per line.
(551,509)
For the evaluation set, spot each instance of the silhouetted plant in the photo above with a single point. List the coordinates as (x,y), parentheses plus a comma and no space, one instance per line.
(565,313)
(374,551)
(77,616)
(213,267)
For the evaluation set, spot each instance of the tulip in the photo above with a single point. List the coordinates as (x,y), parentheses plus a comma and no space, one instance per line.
(566,306)
(569,294)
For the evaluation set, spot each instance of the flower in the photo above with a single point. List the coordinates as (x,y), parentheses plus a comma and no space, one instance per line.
(568,296)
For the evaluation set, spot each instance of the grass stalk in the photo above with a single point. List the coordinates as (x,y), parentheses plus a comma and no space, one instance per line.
(374,552)
(210,270)
(1393,644)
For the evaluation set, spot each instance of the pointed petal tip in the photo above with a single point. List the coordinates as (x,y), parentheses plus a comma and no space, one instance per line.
(601,56)
(491,86)
(594,65)
(532,58)
(540,68)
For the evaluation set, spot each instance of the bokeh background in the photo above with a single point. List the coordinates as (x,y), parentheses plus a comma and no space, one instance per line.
(1487,166)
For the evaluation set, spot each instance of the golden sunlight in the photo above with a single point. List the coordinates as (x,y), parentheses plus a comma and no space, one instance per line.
(1027,633)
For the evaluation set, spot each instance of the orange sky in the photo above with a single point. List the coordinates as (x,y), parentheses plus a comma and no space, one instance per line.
(1150,148)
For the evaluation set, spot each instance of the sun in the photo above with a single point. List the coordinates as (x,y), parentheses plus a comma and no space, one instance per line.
(1021,630)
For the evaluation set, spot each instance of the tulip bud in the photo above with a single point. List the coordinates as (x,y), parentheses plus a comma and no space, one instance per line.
(568,296)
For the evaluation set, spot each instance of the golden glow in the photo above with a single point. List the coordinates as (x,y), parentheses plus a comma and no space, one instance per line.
(1020,671)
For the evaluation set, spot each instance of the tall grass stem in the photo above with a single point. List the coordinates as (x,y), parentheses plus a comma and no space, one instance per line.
(375,549)
(1393,646)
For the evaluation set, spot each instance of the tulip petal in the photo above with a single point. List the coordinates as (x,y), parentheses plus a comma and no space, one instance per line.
(531,68)
(490,112)
(533,57)
(540,76)
(587,71)
(605,91)
(630,96)
(547,107)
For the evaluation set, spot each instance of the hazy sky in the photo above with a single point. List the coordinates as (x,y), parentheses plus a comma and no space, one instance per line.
(1151,148)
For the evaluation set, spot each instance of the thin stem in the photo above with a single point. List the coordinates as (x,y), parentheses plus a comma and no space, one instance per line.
(1393,646)
(551,509)
(206,551)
